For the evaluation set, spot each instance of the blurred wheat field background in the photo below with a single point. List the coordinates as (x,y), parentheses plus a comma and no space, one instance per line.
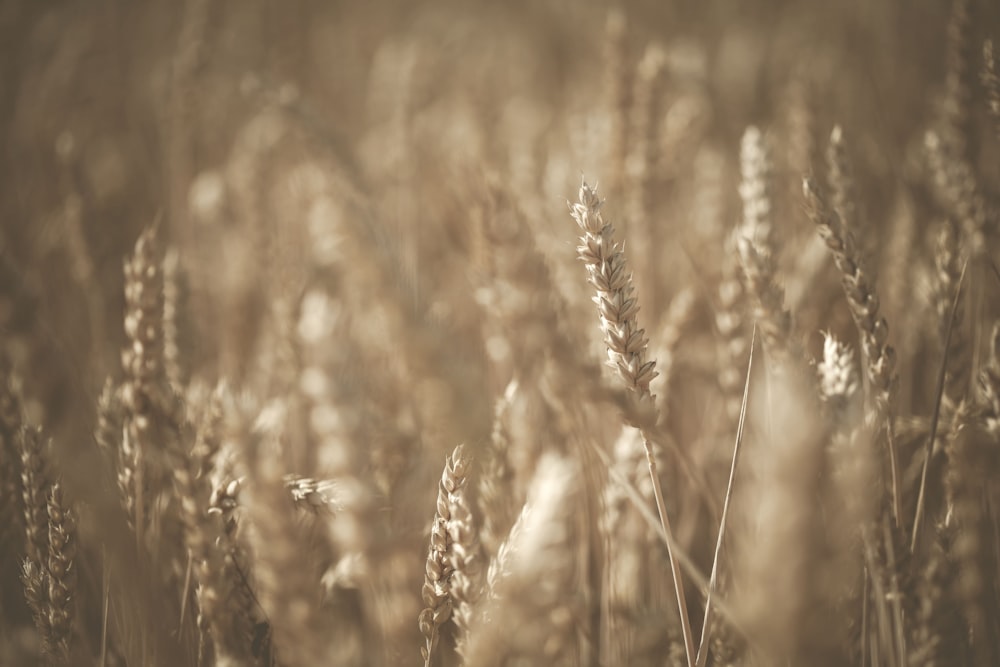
(468,333)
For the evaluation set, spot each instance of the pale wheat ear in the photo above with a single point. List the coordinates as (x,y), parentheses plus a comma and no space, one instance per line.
(879,357)
(730,321)
(445,556)
(62,573)
(758,252)
(626,345)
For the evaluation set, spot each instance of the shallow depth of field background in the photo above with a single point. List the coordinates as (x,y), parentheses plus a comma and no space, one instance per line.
(229,126)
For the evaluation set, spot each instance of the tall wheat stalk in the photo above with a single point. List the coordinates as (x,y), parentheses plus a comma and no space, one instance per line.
(626,343)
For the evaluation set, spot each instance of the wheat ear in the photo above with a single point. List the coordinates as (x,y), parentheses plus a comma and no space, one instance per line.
(757,250)
(142,361)
(11,415)
(439,568)
(34,498)
(61,574)
(880,359)
(626,343)
(466,585)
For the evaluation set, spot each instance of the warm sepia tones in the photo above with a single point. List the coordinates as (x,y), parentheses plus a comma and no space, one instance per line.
(476,333)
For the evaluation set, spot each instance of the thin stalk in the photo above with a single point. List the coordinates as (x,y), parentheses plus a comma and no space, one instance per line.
(936,416)
(105,603)
(185,592)
(896,596)
(882,613)
(675,569)
(685,561)
(864,617)
(702,657)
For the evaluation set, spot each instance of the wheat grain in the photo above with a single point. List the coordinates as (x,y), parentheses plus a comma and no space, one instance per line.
(466,582)
(439,569)
(35,485)
(62,576)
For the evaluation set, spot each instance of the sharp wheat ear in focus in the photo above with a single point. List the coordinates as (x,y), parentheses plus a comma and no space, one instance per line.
(303,361)
(618,308)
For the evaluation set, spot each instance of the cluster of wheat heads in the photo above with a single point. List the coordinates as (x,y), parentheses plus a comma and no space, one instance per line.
(374,410)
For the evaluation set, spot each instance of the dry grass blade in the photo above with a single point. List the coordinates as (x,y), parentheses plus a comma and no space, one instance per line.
(702,657)
(929,448)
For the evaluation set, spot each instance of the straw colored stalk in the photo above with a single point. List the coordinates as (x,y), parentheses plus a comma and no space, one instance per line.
(637,590)
(937,632)
(626,344)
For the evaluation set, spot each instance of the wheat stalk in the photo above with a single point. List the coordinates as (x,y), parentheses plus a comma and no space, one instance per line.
(880,362)
(626,344)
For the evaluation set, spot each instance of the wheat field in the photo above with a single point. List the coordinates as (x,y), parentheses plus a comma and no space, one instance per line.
(468,333)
